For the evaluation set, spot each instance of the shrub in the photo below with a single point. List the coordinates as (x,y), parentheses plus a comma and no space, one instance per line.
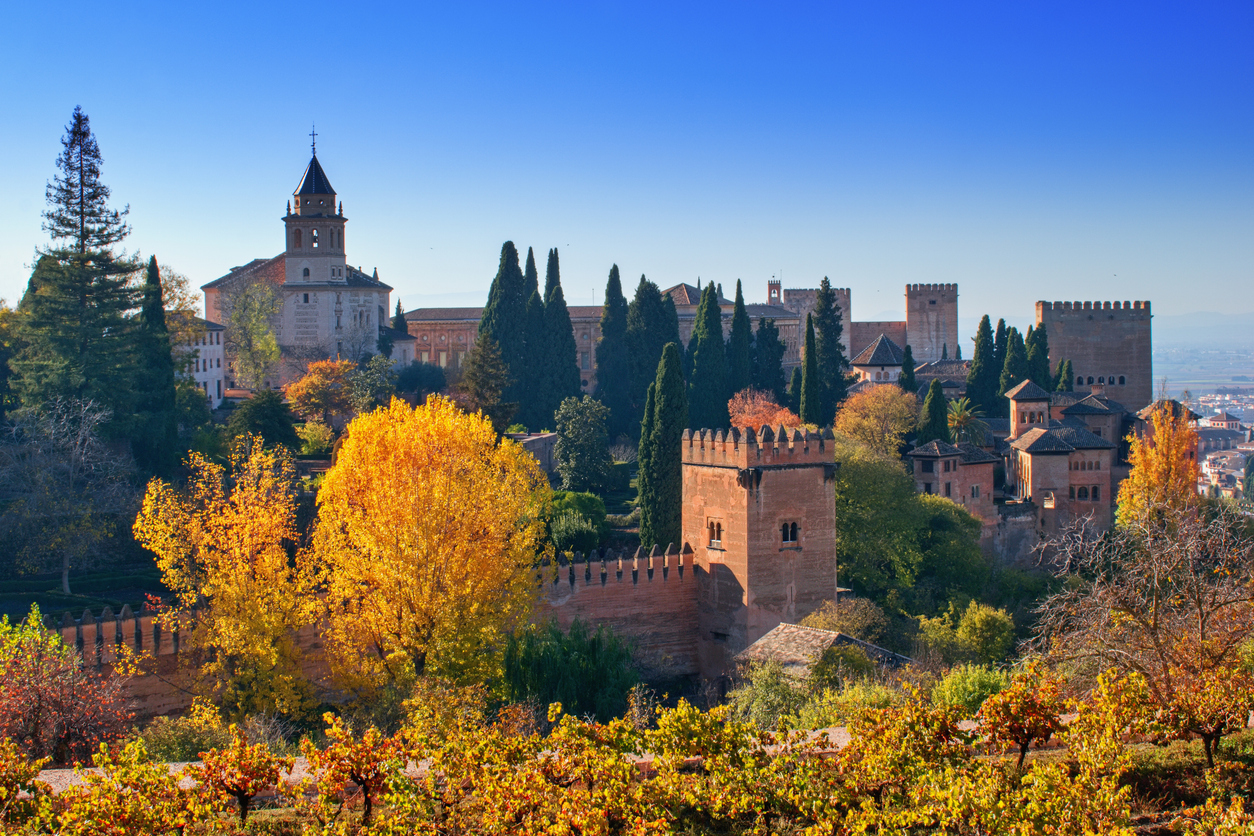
(839,666)
(240,771)
(968,686)
(20,793)
(1026,711)
(179,739)
(316,438)
(857,617)
(588,505)
(841,706)
(421,378)
(367,761)
(589,673)
(982,634)
(573,532)
(767,697)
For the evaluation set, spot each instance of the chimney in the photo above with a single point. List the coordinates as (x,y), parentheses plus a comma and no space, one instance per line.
(1099,389)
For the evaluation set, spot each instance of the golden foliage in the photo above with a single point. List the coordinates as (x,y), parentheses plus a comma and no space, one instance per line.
(427,534)
(325,391)
(1164,466)
(223,548)
(754,408)
(879,417)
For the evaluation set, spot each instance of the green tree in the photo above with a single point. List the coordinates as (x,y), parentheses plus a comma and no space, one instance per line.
(1247,484)
(398,318)
(966,422)
(707,387)
(984,374)
(561,363)
(1063,380)
(651,324)
(739,345)
(485,380)
(811,400)
(832,363)
(999,346)
(582,451)
(1037,351)
(644,459)
(589,673)
(661,509)
(372,384)
(934,423)
(1015,369)
(156,438)
(251,346)
(795,384)
(906,379)
(532,404)
(944,351)
(613,371)
(265,414)
(75,332)
(504,320)
(8,348)
(768,361)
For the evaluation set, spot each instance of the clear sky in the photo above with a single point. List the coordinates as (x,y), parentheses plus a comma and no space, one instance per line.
(1026,150)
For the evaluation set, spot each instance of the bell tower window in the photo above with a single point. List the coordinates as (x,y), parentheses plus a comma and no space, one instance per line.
(305,273)
(313,237)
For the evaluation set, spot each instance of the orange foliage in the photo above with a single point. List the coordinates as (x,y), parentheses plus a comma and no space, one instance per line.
(324,392)
(755,408)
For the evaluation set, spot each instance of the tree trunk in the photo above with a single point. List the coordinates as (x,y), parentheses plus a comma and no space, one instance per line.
(1208,746)
(65,574)
(244,801)
(1023,753)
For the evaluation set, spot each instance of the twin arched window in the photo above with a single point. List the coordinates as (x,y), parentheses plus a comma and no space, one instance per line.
(788,532)
(715,530)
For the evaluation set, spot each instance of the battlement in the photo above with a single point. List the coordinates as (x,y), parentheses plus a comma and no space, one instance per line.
(931,288)
(611,567)
(749,448)
(1091,307)
(100,638)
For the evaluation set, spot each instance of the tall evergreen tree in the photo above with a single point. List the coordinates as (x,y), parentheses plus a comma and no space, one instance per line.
(561,358)
(505,320)
(670,417)
(906,379)
(155,436)
(768,360)
(651,324)
(833,365)
(531,277)
(944,351)
(644,458)
(984,374)
(485,380)
(1063,380)
(75,328)
(934,423)
(398,318)
(534,398)
(613,371)
(811,401)
(1015,370)
(958,351)
(1038,357)
(794,390)
(707,386)
(999,346)
(739,345)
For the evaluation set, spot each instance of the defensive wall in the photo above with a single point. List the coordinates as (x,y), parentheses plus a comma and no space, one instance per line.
(1107,343)
(931,321)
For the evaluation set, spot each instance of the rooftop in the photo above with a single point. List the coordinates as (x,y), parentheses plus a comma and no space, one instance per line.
(1027,391)
(314,180)
(882,352)
(797,648)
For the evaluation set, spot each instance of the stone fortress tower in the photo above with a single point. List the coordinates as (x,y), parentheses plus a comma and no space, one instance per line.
(760,516)
(1108,343)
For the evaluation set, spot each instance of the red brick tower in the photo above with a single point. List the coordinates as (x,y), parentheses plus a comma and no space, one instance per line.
(760,515)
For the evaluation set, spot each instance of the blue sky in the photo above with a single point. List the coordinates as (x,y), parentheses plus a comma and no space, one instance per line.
(1027,150)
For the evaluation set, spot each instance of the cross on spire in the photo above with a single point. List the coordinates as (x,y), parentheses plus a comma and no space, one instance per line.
(313,144)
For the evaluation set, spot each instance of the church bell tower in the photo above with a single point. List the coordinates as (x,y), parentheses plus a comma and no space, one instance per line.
(315,230)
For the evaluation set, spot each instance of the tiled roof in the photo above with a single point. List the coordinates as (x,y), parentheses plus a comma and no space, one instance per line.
(269,269)
(356,278)
(315,180)
(1027,391)
(998,425)
(1175,406)
(444,315)
(956,369)
(1224,416)
(398,335)
(179,316)
(1081,439)
(797,648)
(975,455)
(1220,433)
(1059,438)
(936,449)
(686,294)
(882,352)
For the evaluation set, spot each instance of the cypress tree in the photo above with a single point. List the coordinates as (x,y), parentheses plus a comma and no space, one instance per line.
(1063,380)
(670,416)
(155,438)
(934,423)
(944,351)
(906,379)
(398,318)
(561,357)
(832,363)
(1015,370)
(535,395)
(739,346)
(707,387)
(651,324)
(794,390)
(958,351)
(999,346)
(768,360)
(645,500)
(811,401)
(613,372)
(1038,358)
(505,320)
(531,277)
(75,329)
(984,374)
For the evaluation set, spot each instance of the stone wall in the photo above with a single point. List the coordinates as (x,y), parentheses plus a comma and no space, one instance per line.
(1108,341)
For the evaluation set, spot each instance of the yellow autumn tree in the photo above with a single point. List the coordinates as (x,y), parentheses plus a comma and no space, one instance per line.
(1164,465)
(324,393)
(428,532)
(879,417)
(224,546)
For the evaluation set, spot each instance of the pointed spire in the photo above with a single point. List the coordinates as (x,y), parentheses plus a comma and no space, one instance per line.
(289,206)
(376,274)
(315,180)
(341,208)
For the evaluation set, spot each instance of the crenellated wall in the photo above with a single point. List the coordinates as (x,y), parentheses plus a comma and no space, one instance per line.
(1110,342)
(932,321)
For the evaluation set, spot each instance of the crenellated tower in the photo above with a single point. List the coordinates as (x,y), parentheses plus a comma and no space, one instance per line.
(1108,343)
(932,321)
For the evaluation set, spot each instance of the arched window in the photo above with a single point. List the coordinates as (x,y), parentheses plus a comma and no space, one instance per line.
(711,531)
(340,236)
(313,237)
(1090,379)
(1121,380)
(1097,465)
(792,529)
(718,532)
(296,239)
(305,273)
(1101,380)
(783,532)
(1031,417)
(879,376)
(1079,380)
(1082,493)
(1040,417)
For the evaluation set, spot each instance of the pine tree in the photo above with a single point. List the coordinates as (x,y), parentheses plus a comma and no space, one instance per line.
(906,379)
(934,423)
(1015,370)
(670,417)
(768,360)
(707,386)
(155,435)
(561,357)
(1063,380)
(984,374)
(398,318)
(651,324)
(811,402)
(613,372)
(75,328)
(794,390)
(999,346)
(504,319)
(534,396)
(832,363)
(739,346)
